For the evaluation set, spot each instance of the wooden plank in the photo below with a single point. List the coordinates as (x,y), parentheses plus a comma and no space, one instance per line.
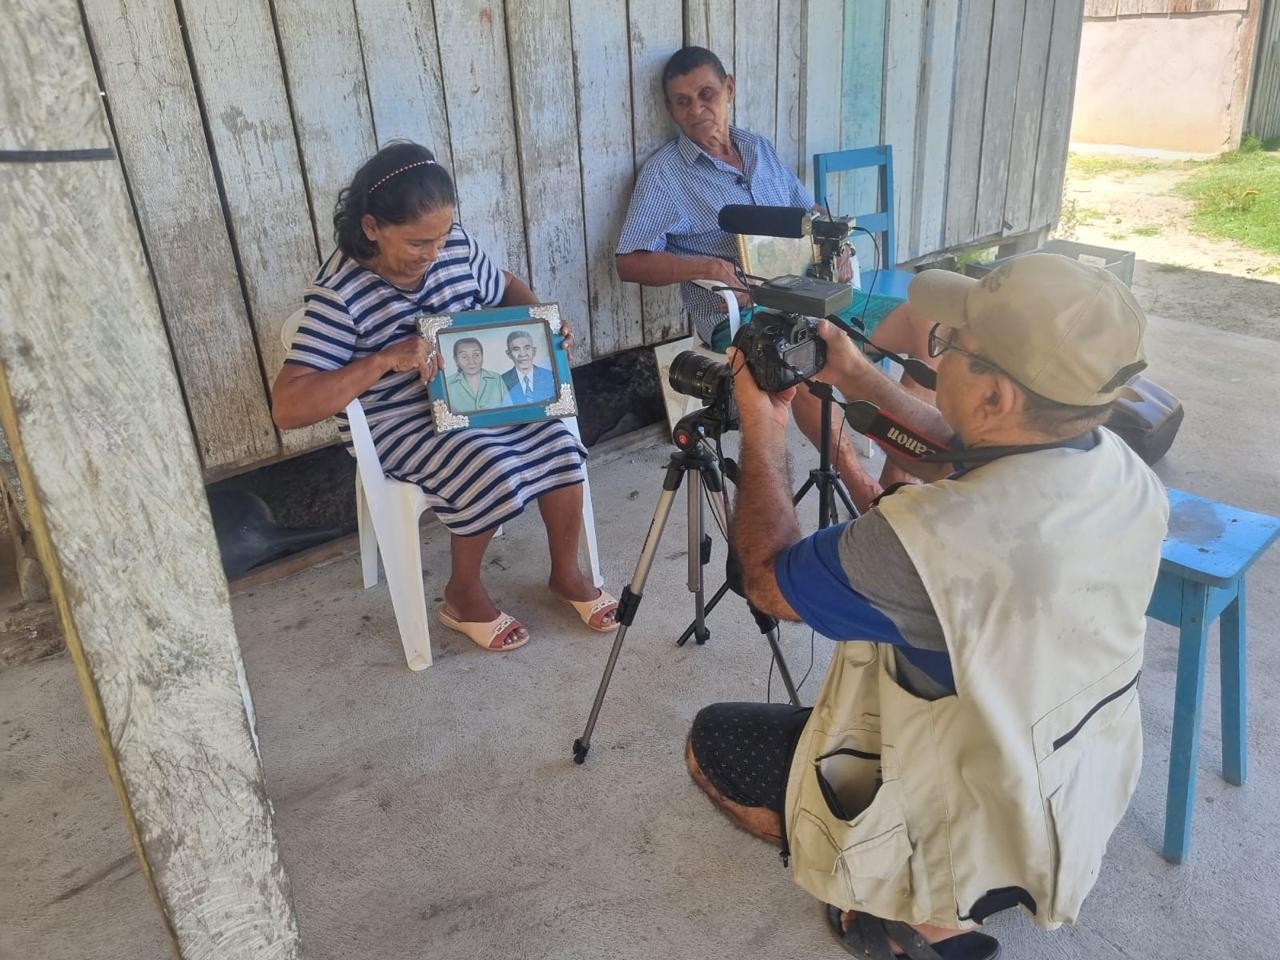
(101,440)
(547,149)
(330,101)
(1157,7)
(1102,8)
(903,69)
(1243,69)
(788,109)
(603,85)
(655,33)
(402,70)
(819,94)
(933,135)
(997,121)
(1127,8)
(861,113)
(1055,120)
(756,53)
(972,47)
(710,24)
(161,139)
(477,93)
(1026,116)
(1264,95)
(1181,6)
(234,55)
(297,562)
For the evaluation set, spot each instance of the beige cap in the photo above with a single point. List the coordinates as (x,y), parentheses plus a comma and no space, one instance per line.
(1066,330)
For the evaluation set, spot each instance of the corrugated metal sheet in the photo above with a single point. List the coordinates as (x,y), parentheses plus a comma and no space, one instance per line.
(1263,120)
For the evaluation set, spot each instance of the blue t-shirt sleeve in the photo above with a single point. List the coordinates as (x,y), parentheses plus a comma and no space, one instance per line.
(812,579)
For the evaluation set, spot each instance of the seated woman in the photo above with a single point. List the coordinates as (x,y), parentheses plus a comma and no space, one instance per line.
(400,254)
(473,387)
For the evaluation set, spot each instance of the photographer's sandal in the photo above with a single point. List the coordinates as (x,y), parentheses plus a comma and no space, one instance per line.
(497,636)
(869,938)
(595,611)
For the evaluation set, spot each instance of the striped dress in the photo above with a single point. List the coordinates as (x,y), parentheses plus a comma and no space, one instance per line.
(474,479)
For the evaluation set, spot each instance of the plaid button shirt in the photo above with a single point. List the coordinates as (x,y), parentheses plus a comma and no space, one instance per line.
(676,206)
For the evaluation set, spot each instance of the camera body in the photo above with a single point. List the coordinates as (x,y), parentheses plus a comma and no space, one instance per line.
(830,228)
(780,349)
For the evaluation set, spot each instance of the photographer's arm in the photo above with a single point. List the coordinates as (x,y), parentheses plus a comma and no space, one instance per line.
(764,520)
(855,376)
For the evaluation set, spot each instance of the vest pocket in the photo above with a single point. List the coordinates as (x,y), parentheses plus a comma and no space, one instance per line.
(1089,754)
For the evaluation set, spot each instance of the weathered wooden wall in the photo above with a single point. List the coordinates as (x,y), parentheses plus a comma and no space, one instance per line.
(975,98)
(238,124)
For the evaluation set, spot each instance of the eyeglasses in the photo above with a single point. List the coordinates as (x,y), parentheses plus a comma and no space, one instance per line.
(938,345)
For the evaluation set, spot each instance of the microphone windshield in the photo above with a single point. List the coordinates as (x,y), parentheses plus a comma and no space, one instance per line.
(761,221)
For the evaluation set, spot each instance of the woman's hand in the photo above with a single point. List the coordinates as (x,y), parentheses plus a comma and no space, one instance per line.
(412,353)
(567,339)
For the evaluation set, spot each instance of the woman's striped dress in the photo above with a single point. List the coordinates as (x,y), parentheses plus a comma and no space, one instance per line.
(474,479)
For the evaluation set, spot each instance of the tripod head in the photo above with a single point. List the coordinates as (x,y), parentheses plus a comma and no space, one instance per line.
(708,423)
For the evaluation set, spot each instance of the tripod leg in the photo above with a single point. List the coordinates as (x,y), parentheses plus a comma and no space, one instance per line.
(700,632)
(792,694)
(628,605)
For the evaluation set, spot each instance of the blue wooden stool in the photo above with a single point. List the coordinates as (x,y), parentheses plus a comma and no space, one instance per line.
(1209,548)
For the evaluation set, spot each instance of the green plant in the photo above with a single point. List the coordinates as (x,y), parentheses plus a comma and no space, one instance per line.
(1148,230)
(1237,196)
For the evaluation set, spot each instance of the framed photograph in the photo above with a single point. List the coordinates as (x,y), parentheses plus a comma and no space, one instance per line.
(500,366)
(775,256)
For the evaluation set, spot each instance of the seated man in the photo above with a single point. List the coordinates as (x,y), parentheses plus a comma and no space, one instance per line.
(977,738)
(526,381)
(672,233)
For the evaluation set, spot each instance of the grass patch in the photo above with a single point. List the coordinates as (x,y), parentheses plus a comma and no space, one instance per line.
(1105,164)
(1148,230)
(1170,267)
(1236,196)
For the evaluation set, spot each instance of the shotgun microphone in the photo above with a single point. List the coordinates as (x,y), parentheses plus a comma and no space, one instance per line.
(763,221)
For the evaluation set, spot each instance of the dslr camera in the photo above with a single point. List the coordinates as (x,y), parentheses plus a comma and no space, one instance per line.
(780,350)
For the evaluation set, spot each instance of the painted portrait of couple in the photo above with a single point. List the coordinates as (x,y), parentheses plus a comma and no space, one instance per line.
(474,383)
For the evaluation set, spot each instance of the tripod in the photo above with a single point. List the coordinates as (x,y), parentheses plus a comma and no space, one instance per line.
(825,478)
(693,463)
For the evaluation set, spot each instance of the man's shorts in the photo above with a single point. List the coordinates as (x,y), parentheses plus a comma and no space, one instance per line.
(745,749)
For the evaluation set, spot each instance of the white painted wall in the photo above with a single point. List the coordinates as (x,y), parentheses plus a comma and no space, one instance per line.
(1171,83)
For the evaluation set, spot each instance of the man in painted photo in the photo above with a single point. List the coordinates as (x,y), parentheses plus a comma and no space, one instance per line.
(526,381)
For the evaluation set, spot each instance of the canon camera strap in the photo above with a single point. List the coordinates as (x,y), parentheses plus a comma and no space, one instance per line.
(896,437)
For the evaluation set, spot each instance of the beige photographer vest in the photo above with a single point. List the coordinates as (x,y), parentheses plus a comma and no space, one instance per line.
(1040,567)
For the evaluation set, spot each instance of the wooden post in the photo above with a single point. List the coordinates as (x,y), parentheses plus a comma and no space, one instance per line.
(92,408)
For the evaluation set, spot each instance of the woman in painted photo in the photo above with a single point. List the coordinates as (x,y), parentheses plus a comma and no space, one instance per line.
(401,253)
(471,387)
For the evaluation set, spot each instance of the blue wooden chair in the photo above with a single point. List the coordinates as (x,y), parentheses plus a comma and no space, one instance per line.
(1209,548)
(888,282)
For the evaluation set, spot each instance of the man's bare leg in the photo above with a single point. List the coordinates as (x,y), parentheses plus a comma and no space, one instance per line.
(767,825)
(758,821)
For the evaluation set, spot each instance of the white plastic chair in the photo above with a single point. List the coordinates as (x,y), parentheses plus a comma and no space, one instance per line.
(388,512)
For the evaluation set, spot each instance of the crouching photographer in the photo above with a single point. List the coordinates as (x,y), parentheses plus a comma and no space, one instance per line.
(977,737)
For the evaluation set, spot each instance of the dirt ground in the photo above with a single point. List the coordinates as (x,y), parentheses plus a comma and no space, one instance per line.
(1180,274)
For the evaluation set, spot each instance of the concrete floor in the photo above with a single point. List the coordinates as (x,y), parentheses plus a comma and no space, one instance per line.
(439,814)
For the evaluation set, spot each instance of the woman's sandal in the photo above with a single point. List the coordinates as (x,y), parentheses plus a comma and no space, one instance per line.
(595,609)
(487,636)
(868,937)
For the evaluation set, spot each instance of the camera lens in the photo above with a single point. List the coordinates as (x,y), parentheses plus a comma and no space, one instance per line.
(697,376)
